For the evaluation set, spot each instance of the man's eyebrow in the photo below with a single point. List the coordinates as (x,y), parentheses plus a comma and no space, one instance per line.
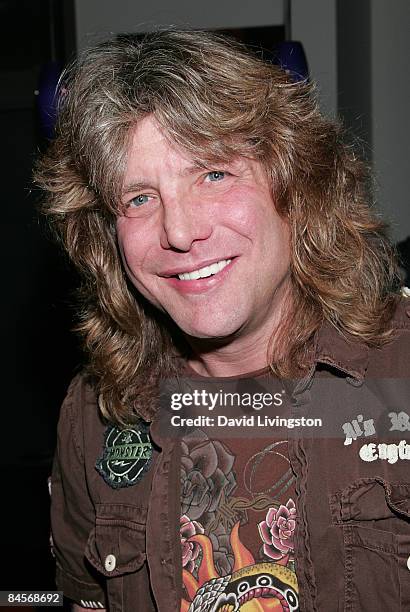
(141,184)
(197,166)
(137,185)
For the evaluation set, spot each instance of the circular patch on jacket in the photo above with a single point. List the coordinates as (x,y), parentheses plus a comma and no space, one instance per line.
(126,456)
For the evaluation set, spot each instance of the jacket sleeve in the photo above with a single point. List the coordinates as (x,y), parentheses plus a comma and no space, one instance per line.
(72,510)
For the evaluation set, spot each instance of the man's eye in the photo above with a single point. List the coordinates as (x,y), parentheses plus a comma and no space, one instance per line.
(138,200)
(215,175)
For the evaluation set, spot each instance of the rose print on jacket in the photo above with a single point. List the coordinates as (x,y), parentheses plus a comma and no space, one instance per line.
(190,549)
(277,531)
(206,475)
(207,480)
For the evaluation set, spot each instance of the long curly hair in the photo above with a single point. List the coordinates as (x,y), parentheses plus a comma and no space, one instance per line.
(218,101)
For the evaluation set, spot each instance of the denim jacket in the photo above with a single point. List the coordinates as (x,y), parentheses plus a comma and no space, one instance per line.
(119,548)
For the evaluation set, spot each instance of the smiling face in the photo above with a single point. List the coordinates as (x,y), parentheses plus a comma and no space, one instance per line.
(205,245)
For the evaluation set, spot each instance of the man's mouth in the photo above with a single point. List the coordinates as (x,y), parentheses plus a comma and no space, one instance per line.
(205,272)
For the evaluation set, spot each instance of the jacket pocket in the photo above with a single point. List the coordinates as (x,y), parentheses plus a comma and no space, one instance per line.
(116,547)
(373,515)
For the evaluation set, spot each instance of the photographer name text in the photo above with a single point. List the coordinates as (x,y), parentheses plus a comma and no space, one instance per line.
(258,420)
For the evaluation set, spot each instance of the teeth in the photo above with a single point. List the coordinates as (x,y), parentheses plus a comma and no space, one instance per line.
(206,271)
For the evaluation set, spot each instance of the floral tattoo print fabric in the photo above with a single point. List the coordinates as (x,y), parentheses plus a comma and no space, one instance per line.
(238,518)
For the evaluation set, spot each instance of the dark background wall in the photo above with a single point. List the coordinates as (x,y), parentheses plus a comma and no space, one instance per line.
(38,352)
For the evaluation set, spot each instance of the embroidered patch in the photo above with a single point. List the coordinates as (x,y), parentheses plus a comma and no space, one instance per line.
(126,456)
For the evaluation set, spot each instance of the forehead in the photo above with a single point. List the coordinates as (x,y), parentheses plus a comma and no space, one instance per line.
(153,153)
(146,131)
(150,145)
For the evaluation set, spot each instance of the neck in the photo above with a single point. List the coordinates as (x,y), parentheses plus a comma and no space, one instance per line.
(221,363)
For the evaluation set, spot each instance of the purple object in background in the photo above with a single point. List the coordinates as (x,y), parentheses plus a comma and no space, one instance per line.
(292,58)
(47,98)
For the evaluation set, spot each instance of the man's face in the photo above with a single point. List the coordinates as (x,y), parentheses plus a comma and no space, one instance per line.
(205,245)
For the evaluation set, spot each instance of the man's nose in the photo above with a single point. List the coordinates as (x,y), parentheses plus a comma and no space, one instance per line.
(184,222)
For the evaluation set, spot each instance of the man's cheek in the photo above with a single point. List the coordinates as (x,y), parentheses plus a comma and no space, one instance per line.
(240,214)
(146,284)
(130,264)
(123,256)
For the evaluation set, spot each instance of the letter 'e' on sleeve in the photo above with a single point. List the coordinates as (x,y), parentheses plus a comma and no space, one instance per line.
(72,510)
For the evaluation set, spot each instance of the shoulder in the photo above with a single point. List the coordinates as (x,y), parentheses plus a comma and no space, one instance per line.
(392,360)
(80,414)
(81,391)
(401,316)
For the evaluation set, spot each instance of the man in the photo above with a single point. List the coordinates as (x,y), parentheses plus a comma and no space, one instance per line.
(224,234)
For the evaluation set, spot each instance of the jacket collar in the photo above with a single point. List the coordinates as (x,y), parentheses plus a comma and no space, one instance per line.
(343,352)
(330,348)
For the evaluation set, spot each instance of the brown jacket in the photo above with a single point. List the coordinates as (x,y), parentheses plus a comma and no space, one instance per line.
(120,548)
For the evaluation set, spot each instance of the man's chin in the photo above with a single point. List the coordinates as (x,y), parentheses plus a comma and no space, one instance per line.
(211,335)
